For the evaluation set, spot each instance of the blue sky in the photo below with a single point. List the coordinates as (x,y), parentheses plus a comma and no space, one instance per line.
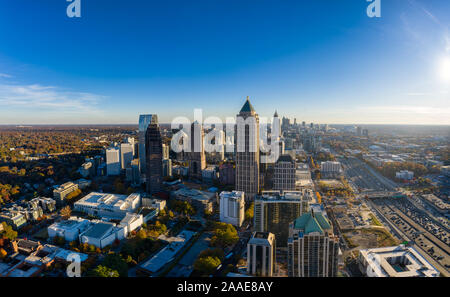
(321,61)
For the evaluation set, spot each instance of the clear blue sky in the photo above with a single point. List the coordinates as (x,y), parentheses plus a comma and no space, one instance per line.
(323,61)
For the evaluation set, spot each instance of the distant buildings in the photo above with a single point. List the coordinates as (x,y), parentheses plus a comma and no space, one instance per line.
(284,174)
(108,205)
(404,174)
(232,208)
(60,193)
(247,151)
(312,247)
(261,257)
(209,174)
(275,210)
(153,155)
(396,261)
(112,161)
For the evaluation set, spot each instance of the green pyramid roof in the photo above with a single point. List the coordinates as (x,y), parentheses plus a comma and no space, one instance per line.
(312,223)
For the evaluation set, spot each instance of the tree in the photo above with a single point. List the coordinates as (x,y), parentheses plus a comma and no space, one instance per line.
(224,235)
(206,265)
(116,262)
(3,253)
(66,212)
(103,271)
(8,232)
(249,213)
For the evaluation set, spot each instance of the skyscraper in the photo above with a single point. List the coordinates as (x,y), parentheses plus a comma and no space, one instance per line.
(126,155)
(153,155)
(232,208)
(144,121)
(247,151)
(261,257)
(196,157)
(312,247)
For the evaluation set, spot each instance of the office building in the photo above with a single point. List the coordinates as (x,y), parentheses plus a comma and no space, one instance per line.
(312,247)
(112,161)
(153,154)
(330,169)
(284,174)
(126,155)
(261,257)
(144,121)
(232,208)
(247,151)
(166,151)
(60,193)
(167,167)
(275,210)
(395,261)
(196,157)
(201,200)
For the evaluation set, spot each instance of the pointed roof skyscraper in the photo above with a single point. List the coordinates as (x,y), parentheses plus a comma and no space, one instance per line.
(247,107)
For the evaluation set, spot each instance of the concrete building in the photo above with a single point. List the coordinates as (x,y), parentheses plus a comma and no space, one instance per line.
(396,261)
(14,219)
(112,161)
(166,151)
(275,210)
(232,206)
(153,155)
(247,151)
(209,174)
(102,234)
(60,193)
(261,257)
(284,174)
(108,205)
(312,247)
(69,229)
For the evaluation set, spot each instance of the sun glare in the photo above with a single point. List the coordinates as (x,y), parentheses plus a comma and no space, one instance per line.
(445,70)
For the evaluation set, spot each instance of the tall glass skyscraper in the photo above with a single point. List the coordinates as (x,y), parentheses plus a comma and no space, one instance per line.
(153,157)
(144,121)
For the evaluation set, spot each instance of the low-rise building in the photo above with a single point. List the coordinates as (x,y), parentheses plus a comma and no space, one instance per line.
(201,200)
(404,174)
(108,205)
(60,193)
(396,261)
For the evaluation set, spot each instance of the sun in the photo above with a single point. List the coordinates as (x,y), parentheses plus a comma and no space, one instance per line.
(445,69)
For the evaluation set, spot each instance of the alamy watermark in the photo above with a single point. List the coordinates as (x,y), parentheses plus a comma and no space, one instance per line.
(74,268)
(74,8)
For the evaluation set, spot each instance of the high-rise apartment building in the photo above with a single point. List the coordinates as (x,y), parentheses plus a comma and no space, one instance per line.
(275,210)
(261,258)
(312,247)
(113,161)
(232,208)
(284,174)
(247,151)
(153,155)
(196,157)
(144,121)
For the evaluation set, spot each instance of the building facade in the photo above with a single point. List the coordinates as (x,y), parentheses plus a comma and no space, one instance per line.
(312,247)
(232,208)
(196,157)
(261,258)
(247,151)
(153,155)
(284,174)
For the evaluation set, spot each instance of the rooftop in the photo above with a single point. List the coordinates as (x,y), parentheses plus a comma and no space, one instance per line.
(312,222)
(247,107)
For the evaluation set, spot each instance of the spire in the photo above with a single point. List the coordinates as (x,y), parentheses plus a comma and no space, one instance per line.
(276,114)
(247,106)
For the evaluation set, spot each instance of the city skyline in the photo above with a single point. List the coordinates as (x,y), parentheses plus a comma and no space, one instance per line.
(316,61)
